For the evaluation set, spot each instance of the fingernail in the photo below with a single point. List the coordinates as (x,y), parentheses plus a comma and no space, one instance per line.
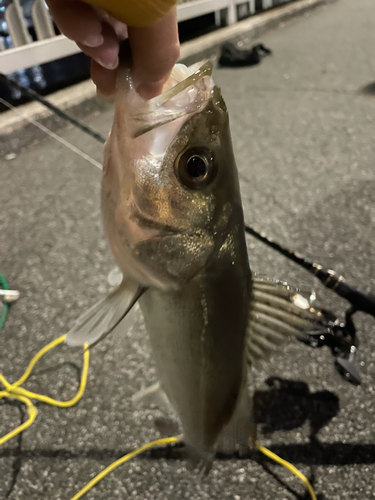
(150,90)
(108,65)
(93,41)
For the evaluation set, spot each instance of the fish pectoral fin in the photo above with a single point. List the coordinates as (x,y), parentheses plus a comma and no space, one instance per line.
(101,319)
(278,313)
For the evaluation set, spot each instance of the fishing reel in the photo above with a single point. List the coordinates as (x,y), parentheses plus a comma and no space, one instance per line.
(340,337)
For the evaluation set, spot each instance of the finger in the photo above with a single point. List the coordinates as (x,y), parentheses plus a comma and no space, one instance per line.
(104,79)
(77,21)
(155,50)
(107,54)
(120,28)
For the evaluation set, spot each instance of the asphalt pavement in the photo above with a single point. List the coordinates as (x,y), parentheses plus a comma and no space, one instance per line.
(303,132)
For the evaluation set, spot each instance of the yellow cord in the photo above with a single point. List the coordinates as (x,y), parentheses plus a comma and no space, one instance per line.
(122,460)
(35,359)
(170,440)
(31,410)
(288,466)
(15,391)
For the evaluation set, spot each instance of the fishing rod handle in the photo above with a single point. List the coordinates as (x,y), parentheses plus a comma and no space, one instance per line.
(135,13)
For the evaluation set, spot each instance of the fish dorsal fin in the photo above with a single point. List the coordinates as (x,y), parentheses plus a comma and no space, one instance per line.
(278,313)
(101,319)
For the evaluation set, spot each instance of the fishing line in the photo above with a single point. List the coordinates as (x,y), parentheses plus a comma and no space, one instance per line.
(53,135)
(63,114)
(15,391)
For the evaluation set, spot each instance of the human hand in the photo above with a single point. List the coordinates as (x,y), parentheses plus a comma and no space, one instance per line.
(155,48)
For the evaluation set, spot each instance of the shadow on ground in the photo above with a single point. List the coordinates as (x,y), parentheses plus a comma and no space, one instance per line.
(287,405)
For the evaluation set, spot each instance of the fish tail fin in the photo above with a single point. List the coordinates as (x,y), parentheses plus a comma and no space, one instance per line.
(278,313)
(104,316)
(199,460)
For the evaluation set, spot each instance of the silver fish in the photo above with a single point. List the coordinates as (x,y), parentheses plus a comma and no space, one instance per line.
(173,215)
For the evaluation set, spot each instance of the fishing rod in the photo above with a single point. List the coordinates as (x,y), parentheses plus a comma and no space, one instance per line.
(340,337)
(360,301)
(31,94)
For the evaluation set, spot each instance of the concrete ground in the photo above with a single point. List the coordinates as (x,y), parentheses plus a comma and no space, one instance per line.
(303,133)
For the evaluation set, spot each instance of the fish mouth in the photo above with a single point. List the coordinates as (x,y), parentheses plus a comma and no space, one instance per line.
(183,98)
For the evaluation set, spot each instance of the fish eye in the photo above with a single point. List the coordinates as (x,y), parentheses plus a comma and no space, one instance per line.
(195,167)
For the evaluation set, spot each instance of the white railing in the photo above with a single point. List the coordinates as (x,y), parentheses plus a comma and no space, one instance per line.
(25,53)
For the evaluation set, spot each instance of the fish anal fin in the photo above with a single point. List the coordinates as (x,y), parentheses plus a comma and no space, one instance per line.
(167,425)
(153,395)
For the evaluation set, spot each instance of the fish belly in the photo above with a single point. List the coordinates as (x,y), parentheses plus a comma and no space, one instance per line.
(197,335)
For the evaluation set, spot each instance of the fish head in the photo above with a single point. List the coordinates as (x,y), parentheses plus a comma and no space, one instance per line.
(170,182)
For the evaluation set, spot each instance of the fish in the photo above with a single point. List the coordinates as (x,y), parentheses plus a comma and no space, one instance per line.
(172,212)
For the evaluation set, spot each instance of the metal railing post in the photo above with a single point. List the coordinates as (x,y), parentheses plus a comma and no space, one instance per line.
(232,12)
(42,20)
(16,24)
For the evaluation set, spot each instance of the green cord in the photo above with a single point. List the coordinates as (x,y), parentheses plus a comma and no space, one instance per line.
(4,312)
